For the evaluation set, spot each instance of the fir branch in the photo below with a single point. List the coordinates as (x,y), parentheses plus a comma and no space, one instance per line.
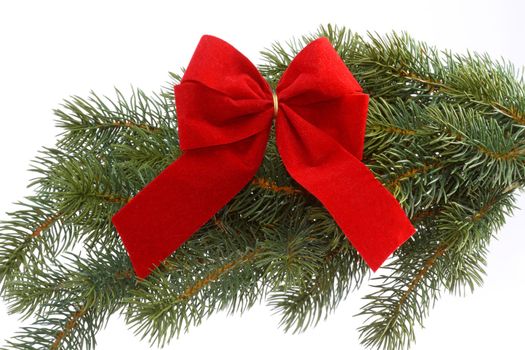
(329,269)
(499,152)
(448,74)
(73,330)
(404,297)
(97,122)
(441,87)
(22,240)
(71,300)
(303,305)
(188,302)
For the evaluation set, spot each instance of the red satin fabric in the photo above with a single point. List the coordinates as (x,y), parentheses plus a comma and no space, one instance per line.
(225,112)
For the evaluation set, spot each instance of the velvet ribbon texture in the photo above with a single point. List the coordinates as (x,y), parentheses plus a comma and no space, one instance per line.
(225,110)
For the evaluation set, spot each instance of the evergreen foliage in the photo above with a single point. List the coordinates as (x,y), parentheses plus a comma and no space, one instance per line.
(445,134)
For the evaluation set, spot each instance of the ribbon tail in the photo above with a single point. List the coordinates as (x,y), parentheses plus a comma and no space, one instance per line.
(368,214)
(183,197)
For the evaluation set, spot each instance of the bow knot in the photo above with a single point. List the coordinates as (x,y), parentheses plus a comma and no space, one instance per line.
(225,110)
(275,104)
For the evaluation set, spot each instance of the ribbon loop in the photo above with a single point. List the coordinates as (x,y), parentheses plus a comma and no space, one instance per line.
(225,109)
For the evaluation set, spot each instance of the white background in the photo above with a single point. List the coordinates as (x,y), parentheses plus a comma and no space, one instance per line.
(50,50)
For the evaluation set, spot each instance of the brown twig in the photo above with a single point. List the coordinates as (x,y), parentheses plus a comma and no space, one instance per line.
(394,130)
(482,212)
(45,225)
(513,114)
(411,173)
(510,155)
(440,250)
(425,213)
(216,274)
(272,186)
(130,124)
(68,327)
(113,198)
(126,274)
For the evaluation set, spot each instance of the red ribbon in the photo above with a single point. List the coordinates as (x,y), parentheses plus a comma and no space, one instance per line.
(225,111)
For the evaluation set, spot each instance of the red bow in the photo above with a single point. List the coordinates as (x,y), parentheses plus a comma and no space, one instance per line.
(225,111)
